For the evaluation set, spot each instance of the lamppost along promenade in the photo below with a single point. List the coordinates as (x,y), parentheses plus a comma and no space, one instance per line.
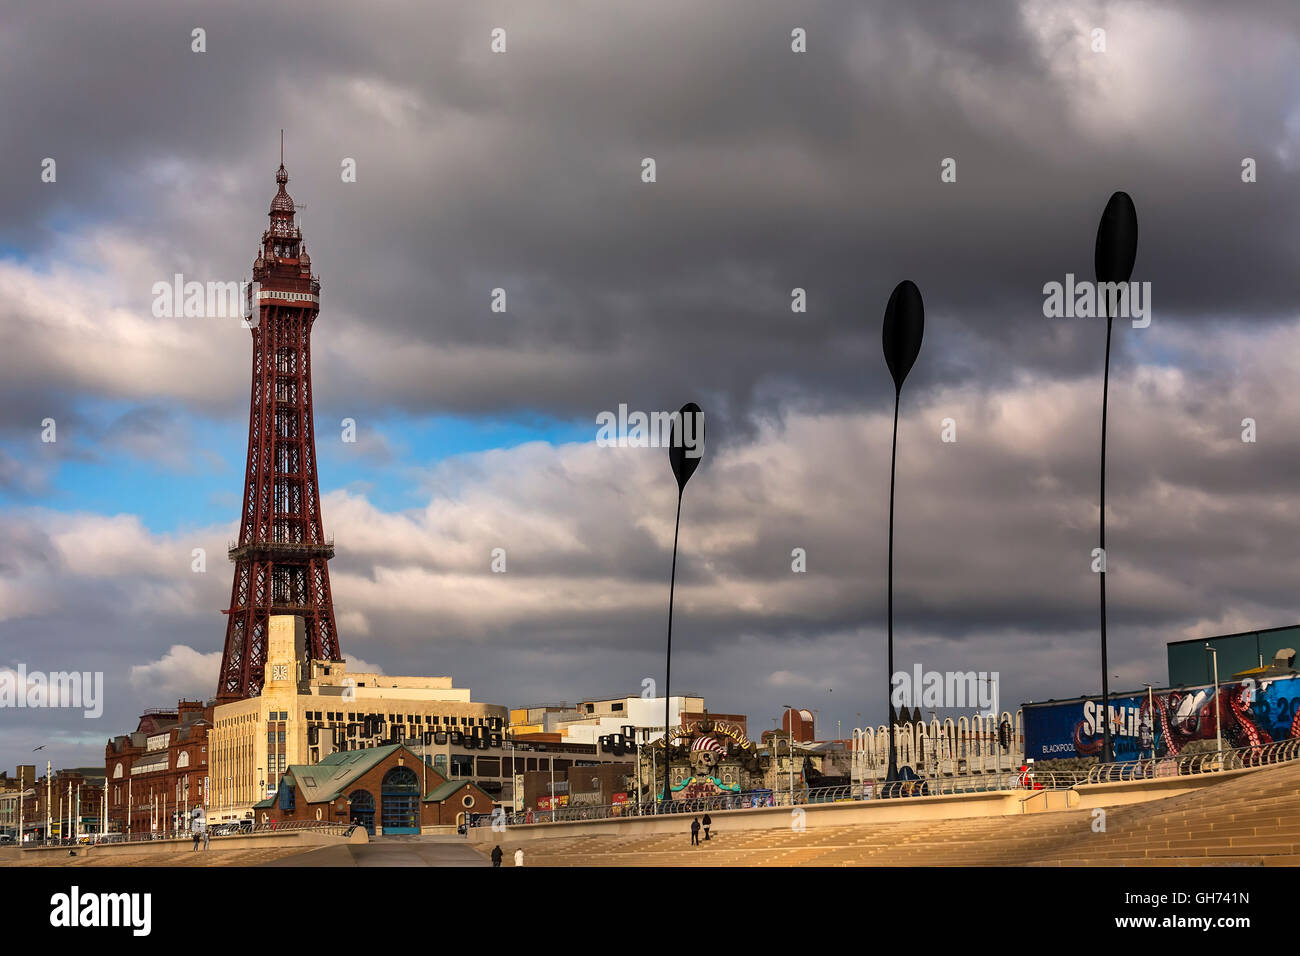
(901,337)
(1113,258)
(685,451)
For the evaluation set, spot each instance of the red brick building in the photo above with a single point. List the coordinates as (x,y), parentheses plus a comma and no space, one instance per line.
(385,789)
(70,802)
(159,772)
(601,785)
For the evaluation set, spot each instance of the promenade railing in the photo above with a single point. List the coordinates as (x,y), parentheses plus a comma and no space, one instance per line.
(1029,778)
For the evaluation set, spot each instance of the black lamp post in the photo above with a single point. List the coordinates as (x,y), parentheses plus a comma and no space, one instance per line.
(903,329)
(684,461)
(1113,259)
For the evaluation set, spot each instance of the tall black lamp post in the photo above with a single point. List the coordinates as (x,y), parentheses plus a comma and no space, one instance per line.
(903,329)
(689,424)
(1113,258)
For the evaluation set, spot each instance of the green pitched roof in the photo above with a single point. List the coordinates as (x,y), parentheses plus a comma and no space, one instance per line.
(325,781)
(445,790)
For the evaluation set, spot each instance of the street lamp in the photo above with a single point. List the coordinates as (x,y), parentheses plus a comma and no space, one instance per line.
(1113,258)
(654,774)
(683,465)
(790,749)
(1218,724)
(1151,711)
(901,336)
(858,742)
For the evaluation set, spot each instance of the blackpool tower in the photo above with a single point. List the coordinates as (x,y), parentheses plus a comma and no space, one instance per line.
(282,555)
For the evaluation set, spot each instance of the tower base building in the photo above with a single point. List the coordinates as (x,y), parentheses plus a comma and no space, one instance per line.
(309,709)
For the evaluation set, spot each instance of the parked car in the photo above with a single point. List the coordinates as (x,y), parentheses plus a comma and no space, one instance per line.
(6,839)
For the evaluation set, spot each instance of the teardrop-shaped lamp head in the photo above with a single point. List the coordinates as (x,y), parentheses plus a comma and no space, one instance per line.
(1117,240)
(904,328)
(686,447)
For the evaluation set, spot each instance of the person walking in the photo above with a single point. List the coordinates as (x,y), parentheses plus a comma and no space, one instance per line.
(695,832)
(496,855)
(708,822)
(519,857)
(207,836)
(197,837)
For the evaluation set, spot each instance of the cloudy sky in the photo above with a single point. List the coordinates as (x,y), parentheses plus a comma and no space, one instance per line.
(775,170)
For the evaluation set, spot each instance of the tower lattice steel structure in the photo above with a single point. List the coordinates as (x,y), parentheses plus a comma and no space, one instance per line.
(281,558)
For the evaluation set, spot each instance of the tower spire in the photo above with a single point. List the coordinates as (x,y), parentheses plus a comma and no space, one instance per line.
(282,555)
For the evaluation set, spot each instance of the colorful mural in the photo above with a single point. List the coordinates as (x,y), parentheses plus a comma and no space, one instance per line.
(1252,712)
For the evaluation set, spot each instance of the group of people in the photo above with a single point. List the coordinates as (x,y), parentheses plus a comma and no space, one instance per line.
(205,835)
(497,855)
(695,829)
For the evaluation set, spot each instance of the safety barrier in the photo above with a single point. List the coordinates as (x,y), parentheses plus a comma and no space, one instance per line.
(218,831)
(1030,778)
(1211,761)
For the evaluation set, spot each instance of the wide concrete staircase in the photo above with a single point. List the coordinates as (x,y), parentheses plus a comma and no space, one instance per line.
(1253,819)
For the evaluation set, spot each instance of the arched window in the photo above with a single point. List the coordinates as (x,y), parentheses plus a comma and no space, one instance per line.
(117,772)
(184,759)
(400,812)
(362,810)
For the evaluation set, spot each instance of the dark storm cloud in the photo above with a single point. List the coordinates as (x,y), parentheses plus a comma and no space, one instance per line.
(776,170)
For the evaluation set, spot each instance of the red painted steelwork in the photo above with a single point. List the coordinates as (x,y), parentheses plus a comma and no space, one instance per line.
(281,558)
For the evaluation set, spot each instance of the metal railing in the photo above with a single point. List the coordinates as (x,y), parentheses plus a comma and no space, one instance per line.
(1210,761)
(1030,779)
(760,799)
(218,832)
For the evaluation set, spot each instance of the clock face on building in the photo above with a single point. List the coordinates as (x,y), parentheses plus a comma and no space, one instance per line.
(279,672)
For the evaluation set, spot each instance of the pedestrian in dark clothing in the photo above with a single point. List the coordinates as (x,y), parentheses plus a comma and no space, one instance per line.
(695,832)
(708,822)
(197,837)
(496,855)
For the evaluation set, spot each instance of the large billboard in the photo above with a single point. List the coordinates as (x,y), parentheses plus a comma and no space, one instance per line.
(1253,711)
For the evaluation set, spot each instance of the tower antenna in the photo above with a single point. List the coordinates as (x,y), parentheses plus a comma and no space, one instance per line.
(282,147)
